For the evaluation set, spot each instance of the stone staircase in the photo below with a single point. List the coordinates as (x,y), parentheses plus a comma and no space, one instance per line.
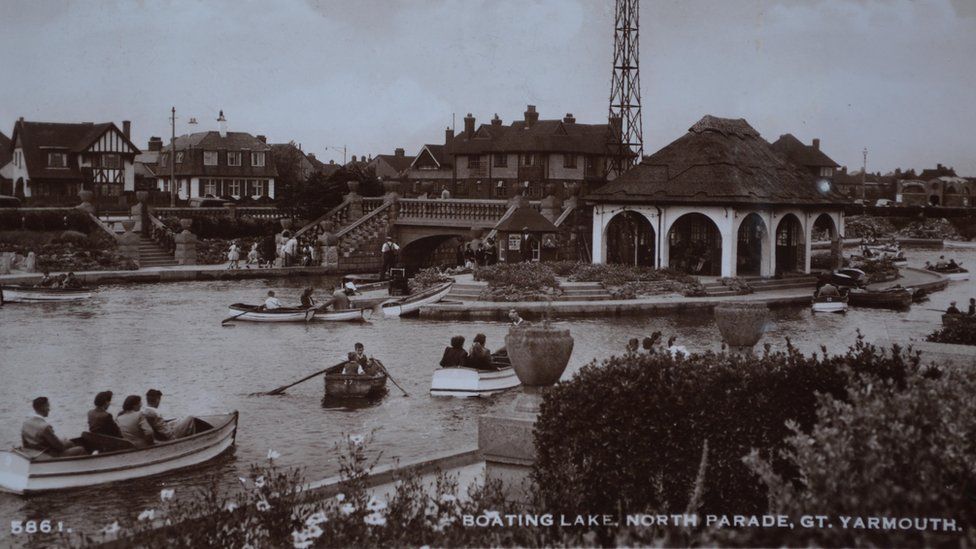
(716,289)
(151,255)
(360,243)
(572,291)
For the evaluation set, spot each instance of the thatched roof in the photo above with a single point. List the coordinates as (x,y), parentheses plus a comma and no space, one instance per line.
(719,161)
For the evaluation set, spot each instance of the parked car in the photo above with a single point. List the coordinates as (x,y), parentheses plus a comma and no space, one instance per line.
(9,201)
(847,277)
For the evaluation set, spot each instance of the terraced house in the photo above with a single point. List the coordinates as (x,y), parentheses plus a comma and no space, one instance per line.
(219,164)
(51,162)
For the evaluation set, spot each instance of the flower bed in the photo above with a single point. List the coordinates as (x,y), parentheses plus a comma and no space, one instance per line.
(225,228)
(428,278)
(64,251)
(61,219)
(518,282)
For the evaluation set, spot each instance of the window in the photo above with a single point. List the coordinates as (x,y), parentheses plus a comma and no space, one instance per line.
(474,161)
(164,159)
(257,159)
(535,190)
(234,158)
(461,189)
(826,172)
(500,190)
(110,161)
(179,157)
(210,187)
(209,158)
(259,188)
(501,160)
(536,252)
(528,159)
(57,160)
(569,161)
(590,163)
(235,187)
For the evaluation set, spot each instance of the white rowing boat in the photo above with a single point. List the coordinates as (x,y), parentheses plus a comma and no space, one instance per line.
(22,473)
(257,313)
(344,315)
(468,382)
(414,302)
(33,294)
(830,304)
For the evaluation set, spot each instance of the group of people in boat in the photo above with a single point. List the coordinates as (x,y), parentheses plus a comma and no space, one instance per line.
(338,302)
(63,281)
(140,425)
(943,265)
(358,364)
(478,357)
(953,310)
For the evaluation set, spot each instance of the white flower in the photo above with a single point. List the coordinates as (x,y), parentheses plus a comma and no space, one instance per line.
(111,528)
(357,439)
(231,506)
(375,504)
(375,519)
(263,505)
(166,494)
(259,482)
(148,514)
(340,497)
(347,508)
(313,531)
(443,523)
(448,498)
(316,518)
(272,455)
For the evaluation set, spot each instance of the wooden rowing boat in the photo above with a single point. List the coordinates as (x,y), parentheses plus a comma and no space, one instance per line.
(891,298)
(35,294)
(956,274)
(468,382)
(829,304)
(952,319)
(257,313)
(341,385)
(343,315)
(22,472)
(413,303)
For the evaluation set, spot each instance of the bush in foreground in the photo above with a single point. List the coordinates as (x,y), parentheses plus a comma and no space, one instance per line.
(960,332)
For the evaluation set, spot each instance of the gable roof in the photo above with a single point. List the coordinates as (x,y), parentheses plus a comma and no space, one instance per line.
(540,136)
(211,140)
(39,138)
(6,150)
(322,167)
(719,161)
(439,153)
(793,150)
(526,218)
(398,163)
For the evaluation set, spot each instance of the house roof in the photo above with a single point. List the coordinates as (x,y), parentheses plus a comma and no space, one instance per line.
(526,218)
(793,150)
(323,168)
(439,153)
(194,144)
(6,151)
(398,163)
(540,136)
(719,161)
(146,163)
(211,140)
(39,138)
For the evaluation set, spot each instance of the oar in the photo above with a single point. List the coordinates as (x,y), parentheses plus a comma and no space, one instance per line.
(228,319)
(281,389)
(385,371)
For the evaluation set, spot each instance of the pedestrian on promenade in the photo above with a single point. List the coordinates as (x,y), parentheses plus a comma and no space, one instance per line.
(389,251)
(234,256)
(253,257)
(514,317)
(290,248)
(972,307)
(445,194)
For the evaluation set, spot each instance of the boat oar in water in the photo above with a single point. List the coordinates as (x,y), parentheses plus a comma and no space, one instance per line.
(228,319)
(387,372)
(281,389)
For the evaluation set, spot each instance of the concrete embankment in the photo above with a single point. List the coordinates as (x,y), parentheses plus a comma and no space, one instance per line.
(174,274)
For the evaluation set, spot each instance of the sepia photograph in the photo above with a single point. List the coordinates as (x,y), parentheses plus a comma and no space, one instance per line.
(487,273)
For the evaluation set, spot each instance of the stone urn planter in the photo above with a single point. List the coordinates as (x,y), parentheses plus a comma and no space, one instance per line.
(741,323)
(353,186)
(539,355)
(186,223)
(128,225)
(286,223)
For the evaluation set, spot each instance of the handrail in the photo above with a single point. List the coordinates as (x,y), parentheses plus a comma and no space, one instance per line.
(345,230)
(160,233)
(104,226)
(323,217)
(494,231)
(562,217)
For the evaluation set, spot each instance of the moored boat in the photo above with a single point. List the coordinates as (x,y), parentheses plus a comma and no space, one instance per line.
(22,473)
(891,298)
(37,294)
(829,304)
(952,273)
(341,385)
(414,302)
(343,315)
(468,382)
(257,313)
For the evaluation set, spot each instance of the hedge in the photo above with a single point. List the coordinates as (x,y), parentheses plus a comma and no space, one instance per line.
(61,219)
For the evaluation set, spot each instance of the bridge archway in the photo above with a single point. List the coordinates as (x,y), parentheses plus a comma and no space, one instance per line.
(790,245)
(695,245)
(630,240)
(752,245)
(439,250)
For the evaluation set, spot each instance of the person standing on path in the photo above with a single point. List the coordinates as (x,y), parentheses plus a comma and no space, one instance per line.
(389,251)
(234,256)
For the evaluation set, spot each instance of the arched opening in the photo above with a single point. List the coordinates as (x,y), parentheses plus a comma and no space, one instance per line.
(749,246)
(695,245)
(951,196)
(789,245)
(19,188)
(824,228)
(630,240)
(432,251)
(934,200)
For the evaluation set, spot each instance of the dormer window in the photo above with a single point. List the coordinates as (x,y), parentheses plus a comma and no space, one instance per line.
(233,158)
(57,160)
(826,172)
(257,159)
(179,157)
(209,158)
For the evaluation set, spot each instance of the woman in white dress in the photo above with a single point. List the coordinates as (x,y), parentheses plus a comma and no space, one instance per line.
(234,255)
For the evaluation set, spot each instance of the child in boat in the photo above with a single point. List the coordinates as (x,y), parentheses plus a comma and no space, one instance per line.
(272,302)
(352,367)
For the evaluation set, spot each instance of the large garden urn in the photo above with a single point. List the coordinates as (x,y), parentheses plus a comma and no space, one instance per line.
(353,186)
(186,222)
(128,225)
(741,323)
(286,223)
(539,355)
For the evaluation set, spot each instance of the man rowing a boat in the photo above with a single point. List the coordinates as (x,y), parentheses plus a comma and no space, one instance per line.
(953,310)
(828,290)
(307,301)
(352,367)
(37,434)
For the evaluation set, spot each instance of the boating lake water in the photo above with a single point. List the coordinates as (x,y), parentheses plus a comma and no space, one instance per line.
(168,336)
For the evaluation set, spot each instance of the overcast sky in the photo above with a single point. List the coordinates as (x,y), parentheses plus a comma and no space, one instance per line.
(897,77)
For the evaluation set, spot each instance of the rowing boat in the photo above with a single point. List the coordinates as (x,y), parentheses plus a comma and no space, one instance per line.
(341,385)
(891,298)
(414,302)
(957,273)
(830,304)
(22,472)
(36,294)
(469,382)
(958,318)
(343,315)
(257,313)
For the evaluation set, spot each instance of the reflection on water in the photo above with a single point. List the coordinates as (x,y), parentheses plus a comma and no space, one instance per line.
(129,339)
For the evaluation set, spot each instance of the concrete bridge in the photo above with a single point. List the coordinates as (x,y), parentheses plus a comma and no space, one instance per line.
(428,231)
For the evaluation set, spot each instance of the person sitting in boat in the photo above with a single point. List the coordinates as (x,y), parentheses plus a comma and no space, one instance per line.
(71,282)
(941,264)
(632,345)
(100,422)
(307,301)
(340,300)
(952,264)
(928,266)
(372,368)
(162,429)
(953,310)
(352,367)
(361,357)
(514,317)
(972,307)
(38,435)
(46,281)
(271,303)
(455,355)
(349,287)
(828,290)
(133,424)
(480,357)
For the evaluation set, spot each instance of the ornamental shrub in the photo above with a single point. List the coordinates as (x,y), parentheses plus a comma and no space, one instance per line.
(962,332)
(207,226)
(628,433)
(427,278)
(61,219)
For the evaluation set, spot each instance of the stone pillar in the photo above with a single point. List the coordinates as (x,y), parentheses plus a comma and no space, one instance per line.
(232,211)
(6,262)
(596,242)
(129,240)
(137,212)
(86,202)
(355,205)
(329,245)
(186,244)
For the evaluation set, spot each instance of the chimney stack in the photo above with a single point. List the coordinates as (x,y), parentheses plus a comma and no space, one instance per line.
(261,138)
(155,143)
(469,125)
(496,121)
(311,156)
(816,143)
(222,124)
(448,135)
(126,128)
(569,118)
(354,159)
(332,162)
(399,153)
(531,117)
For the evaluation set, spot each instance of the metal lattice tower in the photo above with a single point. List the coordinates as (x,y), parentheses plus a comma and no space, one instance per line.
(625,141)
